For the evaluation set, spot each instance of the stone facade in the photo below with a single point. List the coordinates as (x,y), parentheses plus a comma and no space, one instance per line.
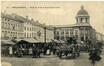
(15,26)
(82,30)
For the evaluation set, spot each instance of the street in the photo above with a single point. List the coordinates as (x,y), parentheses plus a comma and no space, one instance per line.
(50,61)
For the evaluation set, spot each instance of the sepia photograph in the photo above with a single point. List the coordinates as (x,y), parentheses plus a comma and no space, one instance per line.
(52,33)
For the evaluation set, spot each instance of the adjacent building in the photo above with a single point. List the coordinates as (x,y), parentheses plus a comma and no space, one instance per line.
(82,30)
(99,37)
(18,27)
(11,26)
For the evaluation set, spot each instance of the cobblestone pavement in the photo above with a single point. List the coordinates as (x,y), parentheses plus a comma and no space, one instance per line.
(50,61)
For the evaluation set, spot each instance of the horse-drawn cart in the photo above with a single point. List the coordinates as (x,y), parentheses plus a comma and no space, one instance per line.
(68,50)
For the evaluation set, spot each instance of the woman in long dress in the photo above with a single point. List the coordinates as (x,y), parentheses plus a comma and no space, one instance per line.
(30,51)
(10,51)
(48,52)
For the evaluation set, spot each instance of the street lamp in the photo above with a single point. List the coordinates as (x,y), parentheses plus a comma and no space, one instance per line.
(44,34)
(44,26)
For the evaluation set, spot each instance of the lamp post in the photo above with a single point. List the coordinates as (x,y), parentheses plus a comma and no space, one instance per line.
(44,34)
(54,33)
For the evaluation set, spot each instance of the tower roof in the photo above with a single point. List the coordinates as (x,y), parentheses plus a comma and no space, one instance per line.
(82,11)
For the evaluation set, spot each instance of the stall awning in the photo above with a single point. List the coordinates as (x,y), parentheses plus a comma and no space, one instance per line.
(7,42)
(31,40)
(56,41)
(61,41)
(16,40)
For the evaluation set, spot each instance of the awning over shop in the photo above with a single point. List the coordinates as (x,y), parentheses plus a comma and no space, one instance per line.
(58,41)
(16,40)
(26,40)
(61,41)
(7,42)
(31,40)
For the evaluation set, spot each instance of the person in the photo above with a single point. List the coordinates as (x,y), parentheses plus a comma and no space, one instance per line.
(19,52)
(34,52)
(54,50)
(30,51)
(94,55)
(58,50)
(48,51)
(10,51)
(78,49)
(60,54)
(45,49)
(38,52)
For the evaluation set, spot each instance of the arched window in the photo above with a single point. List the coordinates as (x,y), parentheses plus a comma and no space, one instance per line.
(86,19)
(81,20)
(57,33)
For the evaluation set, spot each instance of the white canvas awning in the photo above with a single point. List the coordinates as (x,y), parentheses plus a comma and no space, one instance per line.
(31,40)
(7,42)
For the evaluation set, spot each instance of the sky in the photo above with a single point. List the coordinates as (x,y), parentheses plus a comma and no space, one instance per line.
(57,13)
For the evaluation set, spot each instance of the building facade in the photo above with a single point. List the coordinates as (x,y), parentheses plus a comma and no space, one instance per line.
(11,26)
(18,27)
(82,30)
(99,37)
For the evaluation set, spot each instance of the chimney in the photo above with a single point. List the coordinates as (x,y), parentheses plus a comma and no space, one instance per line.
(32,19)
(26,17)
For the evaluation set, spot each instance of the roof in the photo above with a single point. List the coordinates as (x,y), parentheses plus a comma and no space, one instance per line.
(71,26)
(13,17)
(82,11)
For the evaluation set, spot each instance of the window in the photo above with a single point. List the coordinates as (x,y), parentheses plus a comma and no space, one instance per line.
(76,32)
(25,28)
(71,31)
(82,38)
(57,33)
(86,19)
(8,26)
(81,32)
(13,27)
(77,20)
(27,35)
(62,32)
(11,34)
(8,20)
(30,35)
(5,25)
(2,33)
(2,24)
(8,31)
(81,20)
(57,37)
(5,19)
(62,37)
(67,32)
